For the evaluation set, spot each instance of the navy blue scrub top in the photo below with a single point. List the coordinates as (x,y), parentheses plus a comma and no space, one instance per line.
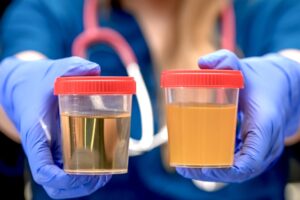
(50,27)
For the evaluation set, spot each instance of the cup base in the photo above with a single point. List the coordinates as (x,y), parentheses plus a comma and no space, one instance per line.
(95,171)
(200,166)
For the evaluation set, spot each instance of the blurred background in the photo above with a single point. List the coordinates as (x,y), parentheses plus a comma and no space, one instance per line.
(14,181)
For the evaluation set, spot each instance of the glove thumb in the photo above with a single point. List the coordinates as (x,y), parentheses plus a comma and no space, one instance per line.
(74,66)
(222,59)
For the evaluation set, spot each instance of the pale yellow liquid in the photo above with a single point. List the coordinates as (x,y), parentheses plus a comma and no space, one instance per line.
(201,135)
(95,144)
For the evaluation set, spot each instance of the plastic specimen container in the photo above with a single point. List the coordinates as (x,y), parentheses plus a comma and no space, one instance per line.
(95,115)
(201,111)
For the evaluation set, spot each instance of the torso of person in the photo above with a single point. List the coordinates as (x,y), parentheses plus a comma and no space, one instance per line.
(160,41)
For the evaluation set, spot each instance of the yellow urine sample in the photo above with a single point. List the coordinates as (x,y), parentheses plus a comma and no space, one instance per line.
(201,135)
(95,144)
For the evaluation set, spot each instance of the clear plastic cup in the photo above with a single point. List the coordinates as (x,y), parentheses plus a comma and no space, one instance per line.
(95,123)
(201,110)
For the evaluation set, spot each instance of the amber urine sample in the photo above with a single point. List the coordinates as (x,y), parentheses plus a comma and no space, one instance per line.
(201,135)
(95,144)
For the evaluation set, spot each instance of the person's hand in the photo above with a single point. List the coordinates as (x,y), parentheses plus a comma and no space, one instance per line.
(26,95)
(269,104)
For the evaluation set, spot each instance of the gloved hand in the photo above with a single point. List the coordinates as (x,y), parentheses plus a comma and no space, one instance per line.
(270,105)
(26,94)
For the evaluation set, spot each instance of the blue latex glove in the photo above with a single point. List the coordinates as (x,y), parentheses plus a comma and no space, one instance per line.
(26,94)
(270,105)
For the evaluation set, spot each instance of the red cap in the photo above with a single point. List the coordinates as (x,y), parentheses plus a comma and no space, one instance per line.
(87,85)
(202,78)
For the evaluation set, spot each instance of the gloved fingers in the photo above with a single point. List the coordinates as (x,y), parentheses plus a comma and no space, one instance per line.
(60,180)
(262,139)
(50,124)
(258,150)
(233,174)
(56,142)
(238,139)
(74,66)
(56,150)
(221,59)
(244,168)
(208,174)
(44,171)
(248,162)
(82,190)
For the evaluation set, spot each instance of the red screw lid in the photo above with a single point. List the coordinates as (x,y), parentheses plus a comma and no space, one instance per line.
(202,78)
(87,85)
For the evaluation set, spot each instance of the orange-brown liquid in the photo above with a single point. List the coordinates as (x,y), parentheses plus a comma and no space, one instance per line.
(201,135)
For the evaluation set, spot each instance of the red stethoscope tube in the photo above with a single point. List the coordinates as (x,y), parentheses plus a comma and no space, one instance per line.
(94,34)
(228,29)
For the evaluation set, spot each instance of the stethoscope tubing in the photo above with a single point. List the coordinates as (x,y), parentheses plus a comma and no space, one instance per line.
(94,34)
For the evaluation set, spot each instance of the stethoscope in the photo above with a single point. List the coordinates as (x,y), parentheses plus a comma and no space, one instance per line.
(93,33)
